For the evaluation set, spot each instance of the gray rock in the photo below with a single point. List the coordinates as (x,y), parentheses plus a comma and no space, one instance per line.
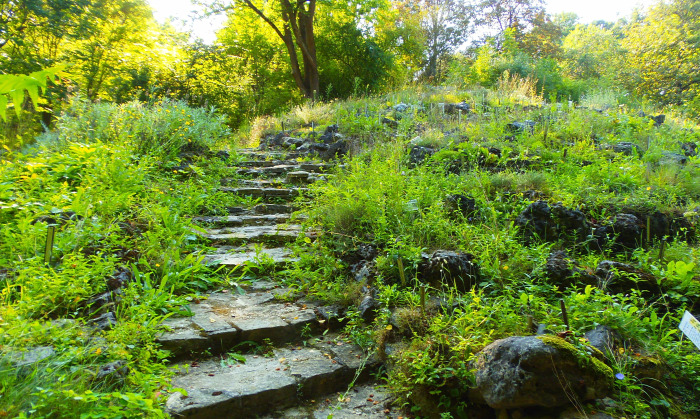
(627,148)
(689,148)
(112,374)
(603,338)
(624,233)
(462,204)
(546,371)
(390,122)
(104,322)
(292,142)
(368,308)
(30,356)
(419,154)
(673,158)
(521,127)
(451,269)
(535,222)
(617,277)
(454,108)
(401,107)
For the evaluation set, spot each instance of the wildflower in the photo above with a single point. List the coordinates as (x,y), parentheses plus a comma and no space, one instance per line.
(620,376)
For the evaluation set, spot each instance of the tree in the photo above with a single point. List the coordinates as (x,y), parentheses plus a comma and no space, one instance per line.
(543,39)
(445,25)
(500,15)
(293,22)
(591,52)
(664,54)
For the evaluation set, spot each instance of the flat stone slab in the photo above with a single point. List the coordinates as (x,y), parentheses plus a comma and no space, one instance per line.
(244,220)
(265,193)
(255,154)
(232,256)
(258,163)
(273,209)
(225,320)
(223,387)
(254,183)
(255,234)
(362,401)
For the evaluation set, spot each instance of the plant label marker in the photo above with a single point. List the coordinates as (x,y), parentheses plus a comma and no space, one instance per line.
(48,250)
(690,326)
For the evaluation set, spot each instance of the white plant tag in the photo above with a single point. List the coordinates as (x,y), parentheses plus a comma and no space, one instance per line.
(690,326)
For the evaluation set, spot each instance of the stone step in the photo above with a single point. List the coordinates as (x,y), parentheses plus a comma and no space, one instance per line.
(367,401)
(255,154)
(254,183)
(273,209)
(258,163)
(233,257)
(225,320)
(284,168)
(266,193)
(244,220)
(283,377)
(256,234)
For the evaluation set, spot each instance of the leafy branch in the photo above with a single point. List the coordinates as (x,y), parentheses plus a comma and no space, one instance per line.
(13,86)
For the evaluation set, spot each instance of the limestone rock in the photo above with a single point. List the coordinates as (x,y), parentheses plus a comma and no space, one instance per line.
(450,268)
(545,371)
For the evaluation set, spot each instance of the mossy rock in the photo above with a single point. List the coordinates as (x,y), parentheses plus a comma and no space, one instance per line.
(544,371)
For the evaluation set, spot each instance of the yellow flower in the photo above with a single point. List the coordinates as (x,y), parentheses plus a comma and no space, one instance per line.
(648,188)
(505,267)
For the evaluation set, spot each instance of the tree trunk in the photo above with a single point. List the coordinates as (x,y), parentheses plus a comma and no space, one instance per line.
(298,37)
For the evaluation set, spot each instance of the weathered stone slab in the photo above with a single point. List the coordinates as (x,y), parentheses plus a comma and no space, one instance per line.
(368,401)
(273,209)
(244,390)
(266,192)
(243,220)
(224,320)
(234,257)
(182,337)
(226,389)
(256,234)
(267,171)
(257,163)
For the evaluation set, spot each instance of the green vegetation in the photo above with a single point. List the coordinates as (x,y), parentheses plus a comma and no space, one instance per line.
(380,198)
(112,180)
(116,152)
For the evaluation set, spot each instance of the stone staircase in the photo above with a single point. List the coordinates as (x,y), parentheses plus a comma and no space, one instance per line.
(266,352)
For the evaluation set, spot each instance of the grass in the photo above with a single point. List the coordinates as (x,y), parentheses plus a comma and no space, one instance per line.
(403,210)
(134,178)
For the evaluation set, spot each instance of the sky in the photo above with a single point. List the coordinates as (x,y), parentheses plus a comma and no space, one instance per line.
(587,10)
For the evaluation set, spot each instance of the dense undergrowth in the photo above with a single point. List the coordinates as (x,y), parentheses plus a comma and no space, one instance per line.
(404,208)
(117,182)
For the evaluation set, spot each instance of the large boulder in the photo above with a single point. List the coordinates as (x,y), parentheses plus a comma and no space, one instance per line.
(539,371)
(450,268)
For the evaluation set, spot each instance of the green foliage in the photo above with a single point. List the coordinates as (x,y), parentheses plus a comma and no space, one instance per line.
(117,206)
(15,85)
